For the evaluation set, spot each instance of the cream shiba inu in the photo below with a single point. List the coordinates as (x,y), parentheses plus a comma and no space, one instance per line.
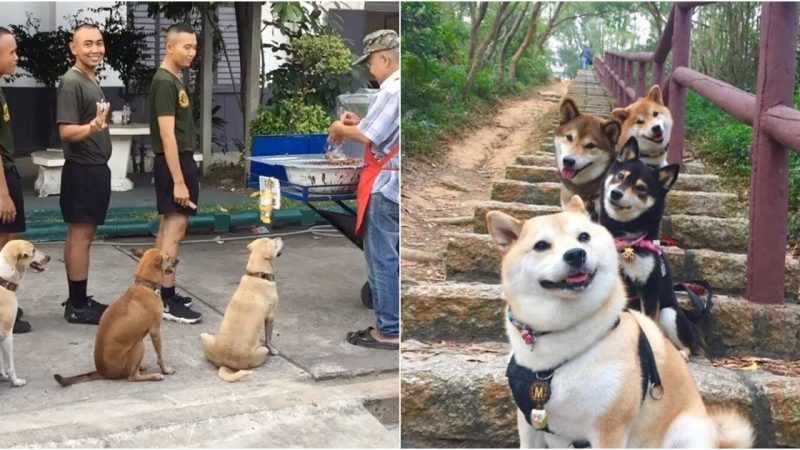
(585,147)
(650,122)
(583,370)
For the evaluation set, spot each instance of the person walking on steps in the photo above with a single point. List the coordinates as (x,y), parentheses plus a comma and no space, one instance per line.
(379,188)
(12,206)
(85,178)
(177,183)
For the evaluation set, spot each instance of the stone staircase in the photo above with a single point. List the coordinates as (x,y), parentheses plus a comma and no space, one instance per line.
(458,394)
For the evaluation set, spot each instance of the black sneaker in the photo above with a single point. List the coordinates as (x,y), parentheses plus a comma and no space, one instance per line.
(184,299)
(90,314)
(21,326)
(176,311)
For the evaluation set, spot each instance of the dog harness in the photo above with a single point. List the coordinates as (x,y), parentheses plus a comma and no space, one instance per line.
(8,285)
(531,390)
(262,275)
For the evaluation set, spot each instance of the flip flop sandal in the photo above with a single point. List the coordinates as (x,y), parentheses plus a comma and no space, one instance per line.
(695,289)
(363,338)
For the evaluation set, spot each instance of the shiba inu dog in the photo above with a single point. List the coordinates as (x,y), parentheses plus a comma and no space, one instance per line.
(585,148)
(650,122)
(583,369)
(634,196)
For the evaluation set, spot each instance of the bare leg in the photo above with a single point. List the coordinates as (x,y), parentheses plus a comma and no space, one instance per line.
(155,336)
(76,250)
(170,234)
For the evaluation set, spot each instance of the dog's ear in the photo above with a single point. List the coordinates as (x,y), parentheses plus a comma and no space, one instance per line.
(576,205)
(504,229)
(655,94)
(568,111)
(620,114)
(629,151)
(612,129)
(667,175)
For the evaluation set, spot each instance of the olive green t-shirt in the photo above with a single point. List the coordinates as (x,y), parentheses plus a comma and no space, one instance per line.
(168,97)
(6,136)
(77,105)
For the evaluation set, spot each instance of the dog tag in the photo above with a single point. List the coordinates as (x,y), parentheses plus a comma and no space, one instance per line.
(628,255)
(538,418)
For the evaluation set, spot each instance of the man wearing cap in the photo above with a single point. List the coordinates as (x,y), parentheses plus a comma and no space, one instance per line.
(379,188)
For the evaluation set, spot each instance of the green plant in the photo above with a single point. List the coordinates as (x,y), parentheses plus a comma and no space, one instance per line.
(290,116)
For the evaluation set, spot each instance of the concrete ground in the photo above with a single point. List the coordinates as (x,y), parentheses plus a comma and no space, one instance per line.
(319,392)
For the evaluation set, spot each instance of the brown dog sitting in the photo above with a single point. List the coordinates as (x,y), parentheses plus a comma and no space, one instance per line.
(244,338)
(119,346)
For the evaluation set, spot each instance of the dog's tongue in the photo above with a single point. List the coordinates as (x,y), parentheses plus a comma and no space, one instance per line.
(577,279)
(568,173)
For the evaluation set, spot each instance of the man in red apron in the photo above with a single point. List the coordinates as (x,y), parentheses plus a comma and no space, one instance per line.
(379,188)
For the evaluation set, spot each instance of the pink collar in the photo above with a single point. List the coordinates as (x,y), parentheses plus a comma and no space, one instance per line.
(639,242)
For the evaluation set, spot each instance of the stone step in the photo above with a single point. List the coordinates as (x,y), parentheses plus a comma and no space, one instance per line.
(284,413)
(547,159)
(691,232)
(452,400)
(714,204)
(549,173)
(470,312)
(474,258)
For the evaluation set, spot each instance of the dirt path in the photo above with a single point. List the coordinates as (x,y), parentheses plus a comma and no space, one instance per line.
(450,185)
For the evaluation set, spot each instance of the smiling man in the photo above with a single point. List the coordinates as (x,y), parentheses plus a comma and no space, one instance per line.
(85,178)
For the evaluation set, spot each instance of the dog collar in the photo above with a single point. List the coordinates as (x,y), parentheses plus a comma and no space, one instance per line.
(148,284)
(656,154)
(527,333)
(262,275)
(8,285)
(626,246)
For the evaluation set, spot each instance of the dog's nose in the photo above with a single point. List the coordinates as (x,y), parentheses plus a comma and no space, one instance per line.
(656,129)
(568,161)
(616,194)
(575,257)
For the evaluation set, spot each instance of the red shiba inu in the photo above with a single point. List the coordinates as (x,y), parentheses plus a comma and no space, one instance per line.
(650,122)
(585,148)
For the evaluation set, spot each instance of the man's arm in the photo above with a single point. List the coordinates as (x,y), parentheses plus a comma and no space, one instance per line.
(340,132)
(8,211)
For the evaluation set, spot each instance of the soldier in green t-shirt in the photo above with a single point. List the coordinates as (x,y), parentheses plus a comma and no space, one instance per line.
(12,207)
(176,180)
(85,178)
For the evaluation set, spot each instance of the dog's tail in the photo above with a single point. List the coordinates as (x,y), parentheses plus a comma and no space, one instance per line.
(733,429)
(231,375)
(91,376)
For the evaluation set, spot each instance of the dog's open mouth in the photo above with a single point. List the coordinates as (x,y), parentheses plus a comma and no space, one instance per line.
(657,138)
(37,267)
(569,173)
(574,282)
(617,205)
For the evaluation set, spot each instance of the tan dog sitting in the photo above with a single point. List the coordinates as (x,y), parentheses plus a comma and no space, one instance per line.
(244,337)
(14,258)
(119,346)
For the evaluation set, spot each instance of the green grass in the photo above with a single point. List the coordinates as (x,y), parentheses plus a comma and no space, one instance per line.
(725,142)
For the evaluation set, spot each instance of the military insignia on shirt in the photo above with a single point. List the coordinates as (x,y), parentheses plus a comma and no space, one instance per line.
(183,99)
(6,113)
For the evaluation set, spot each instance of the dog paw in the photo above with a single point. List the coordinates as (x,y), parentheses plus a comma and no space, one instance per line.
(142,368)
(273,351)
(4,377)
(167,370)
(18,382)
(158,377)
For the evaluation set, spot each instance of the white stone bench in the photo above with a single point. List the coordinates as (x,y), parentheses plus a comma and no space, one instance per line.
(50,163)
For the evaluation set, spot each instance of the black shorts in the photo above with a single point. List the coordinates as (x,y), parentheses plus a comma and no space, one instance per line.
(164,187)
(85,192)
(15,192)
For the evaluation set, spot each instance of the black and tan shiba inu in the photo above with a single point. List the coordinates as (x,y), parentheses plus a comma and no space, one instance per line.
(650,122)
(583,369)
(634,196)
(585,147)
